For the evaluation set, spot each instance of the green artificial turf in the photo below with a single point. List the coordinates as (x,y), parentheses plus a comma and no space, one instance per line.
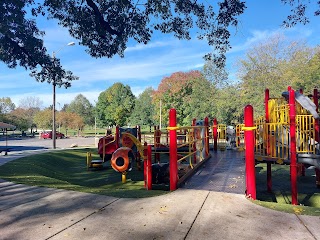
(280,196)
(67,169)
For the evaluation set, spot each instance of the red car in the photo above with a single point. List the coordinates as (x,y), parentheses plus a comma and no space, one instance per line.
(45,135)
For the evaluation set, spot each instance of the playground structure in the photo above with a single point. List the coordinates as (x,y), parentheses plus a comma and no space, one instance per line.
(287,134)
(123,137)
(186,148)
(224,137)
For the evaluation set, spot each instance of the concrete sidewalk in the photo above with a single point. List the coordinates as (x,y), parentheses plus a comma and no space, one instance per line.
(200,210)
(40,213)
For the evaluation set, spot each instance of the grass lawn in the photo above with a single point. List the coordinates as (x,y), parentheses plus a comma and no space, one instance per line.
(67,170)
(280,197)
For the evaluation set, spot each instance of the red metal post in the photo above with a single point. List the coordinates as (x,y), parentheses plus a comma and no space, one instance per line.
(206,124)
(173,149)
(149,168)
(317,131)
(145,155)
(215,134)
(194,146)
(117,137)
(249,150)
(293,148)
(269,170)
(266,104)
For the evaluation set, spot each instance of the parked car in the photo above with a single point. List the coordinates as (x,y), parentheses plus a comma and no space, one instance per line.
(48,134)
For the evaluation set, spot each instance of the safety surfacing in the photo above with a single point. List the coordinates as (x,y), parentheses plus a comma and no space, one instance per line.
(223,172)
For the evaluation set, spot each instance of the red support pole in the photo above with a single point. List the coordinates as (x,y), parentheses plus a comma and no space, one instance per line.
(293,148)
(250,160)
(269,170)
(117,137)
(317,131)
(149,168)
(173,149)
(215,134)
(145,156)
(266,104)
(194,146)
(206,124)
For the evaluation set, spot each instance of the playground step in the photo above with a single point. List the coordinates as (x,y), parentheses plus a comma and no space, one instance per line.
(97,161)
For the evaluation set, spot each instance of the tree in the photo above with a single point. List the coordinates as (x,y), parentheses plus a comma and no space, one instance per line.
(189,93)
(105,27)
(18,117)
(115,22)
(218,76)
(299,11)
(30,102)
(143,110)
(43,119)
(63,120)
(115,105)
(31,105)
(276,64)
(64,107)
(303,68)
(227,105)
(21,44)
(82,107)
(6,105)
(76,122)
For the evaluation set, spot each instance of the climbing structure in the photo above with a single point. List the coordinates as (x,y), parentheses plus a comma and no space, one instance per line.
(288,133)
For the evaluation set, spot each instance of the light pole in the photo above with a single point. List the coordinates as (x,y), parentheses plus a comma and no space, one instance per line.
(54,98)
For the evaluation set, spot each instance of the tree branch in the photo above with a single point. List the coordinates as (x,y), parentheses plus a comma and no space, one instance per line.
(100,20)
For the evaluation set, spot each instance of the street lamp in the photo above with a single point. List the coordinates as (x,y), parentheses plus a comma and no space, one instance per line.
(54,98)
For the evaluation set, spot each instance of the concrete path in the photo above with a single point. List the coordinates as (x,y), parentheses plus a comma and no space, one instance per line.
(42,213)
(200,212)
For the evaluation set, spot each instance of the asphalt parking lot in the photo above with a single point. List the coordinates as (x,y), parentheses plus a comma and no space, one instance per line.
(32,144)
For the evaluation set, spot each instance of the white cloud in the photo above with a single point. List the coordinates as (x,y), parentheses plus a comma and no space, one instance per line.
(144,68)
(56,37)
(257,36)
(157,44)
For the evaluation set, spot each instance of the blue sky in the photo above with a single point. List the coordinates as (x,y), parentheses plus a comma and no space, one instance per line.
(146,65)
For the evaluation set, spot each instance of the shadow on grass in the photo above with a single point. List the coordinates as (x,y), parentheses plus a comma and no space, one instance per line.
(280,196)
(67,170)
